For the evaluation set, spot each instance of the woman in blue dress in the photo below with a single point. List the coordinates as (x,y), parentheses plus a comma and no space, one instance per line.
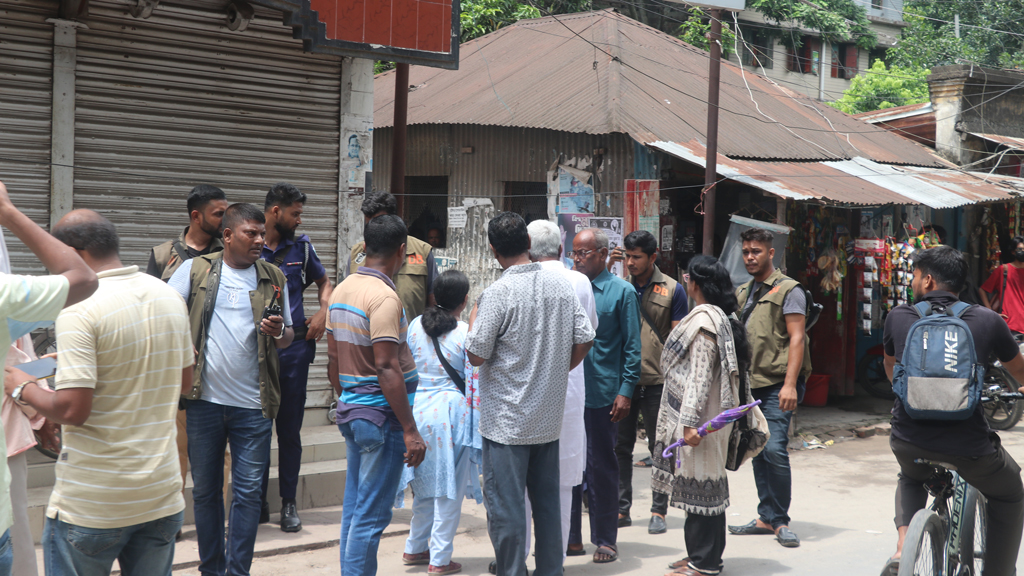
(447,419)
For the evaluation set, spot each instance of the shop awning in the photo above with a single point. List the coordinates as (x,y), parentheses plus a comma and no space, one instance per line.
(858,181)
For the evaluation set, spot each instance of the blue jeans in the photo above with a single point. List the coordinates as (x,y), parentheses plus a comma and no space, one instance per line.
(145,549)
(375,455)
(771,467)
(6,554)
(210,427)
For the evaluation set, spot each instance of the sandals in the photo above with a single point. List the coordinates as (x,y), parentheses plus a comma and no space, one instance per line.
(645,463)
(612,554)
(892,567)
(680,563)
(574,552)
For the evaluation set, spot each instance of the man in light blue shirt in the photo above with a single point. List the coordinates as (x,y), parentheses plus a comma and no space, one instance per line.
(612,369)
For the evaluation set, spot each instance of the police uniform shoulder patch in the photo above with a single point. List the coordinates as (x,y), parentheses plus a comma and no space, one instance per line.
(360,257)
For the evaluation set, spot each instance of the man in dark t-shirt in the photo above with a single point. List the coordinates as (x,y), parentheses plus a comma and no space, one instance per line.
(969,445)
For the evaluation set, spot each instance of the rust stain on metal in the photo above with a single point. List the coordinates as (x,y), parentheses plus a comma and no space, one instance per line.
(565,74)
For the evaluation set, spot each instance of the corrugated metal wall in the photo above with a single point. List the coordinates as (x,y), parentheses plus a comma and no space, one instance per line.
(500,155)
(26,78)
(177,99)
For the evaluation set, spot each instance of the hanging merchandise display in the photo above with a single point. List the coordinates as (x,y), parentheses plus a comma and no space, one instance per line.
(867,254)
(993,253)
(1013,213)
(897,270)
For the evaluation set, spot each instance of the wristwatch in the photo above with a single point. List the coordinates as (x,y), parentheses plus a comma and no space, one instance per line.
(16,395)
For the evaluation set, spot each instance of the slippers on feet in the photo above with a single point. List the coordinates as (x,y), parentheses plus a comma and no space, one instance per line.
(892,567)
(576,552)
(645,463)
(608,551)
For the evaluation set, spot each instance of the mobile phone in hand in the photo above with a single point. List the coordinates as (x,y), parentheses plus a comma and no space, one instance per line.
(42,368)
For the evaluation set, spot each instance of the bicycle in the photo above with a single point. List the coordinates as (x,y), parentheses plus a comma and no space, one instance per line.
(948,538)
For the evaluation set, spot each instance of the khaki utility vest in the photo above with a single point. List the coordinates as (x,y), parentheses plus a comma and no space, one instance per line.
(766,331)
(656,302)
(411,279)
(171,254)
(270,283)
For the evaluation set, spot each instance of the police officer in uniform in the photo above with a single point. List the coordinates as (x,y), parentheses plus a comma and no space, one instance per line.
(662,305)
(414,283)
(295,256)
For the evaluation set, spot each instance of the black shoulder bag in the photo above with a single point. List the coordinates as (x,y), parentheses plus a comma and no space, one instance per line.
(452,373)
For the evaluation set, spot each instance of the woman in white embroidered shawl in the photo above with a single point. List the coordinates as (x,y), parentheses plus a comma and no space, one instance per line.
(703,360)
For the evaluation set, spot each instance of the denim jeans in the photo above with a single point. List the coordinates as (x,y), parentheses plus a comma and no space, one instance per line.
(210,428)
(771,467)
(508,472)
(375,455)
(145,549)
(6,554)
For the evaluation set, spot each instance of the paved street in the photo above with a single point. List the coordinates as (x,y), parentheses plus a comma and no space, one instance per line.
(842,509)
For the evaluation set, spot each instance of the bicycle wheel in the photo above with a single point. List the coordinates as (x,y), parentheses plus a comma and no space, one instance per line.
(972,532)
(1002,415)
(871,376)
(923,547)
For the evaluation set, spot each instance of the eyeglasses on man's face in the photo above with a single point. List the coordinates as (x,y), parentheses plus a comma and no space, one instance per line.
(580,254)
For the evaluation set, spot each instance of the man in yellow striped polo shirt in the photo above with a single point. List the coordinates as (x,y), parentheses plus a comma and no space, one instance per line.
(125,356)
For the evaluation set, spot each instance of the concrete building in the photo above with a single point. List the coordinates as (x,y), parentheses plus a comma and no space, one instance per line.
(822,72)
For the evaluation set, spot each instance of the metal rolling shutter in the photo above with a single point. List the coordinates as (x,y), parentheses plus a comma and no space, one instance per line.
(26,78)
(177,99)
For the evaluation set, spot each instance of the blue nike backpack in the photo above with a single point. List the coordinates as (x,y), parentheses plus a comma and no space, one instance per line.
(939,376)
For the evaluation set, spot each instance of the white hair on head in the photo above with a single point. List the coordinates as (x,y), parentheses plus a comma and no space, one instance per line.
(600,237)
(545,239)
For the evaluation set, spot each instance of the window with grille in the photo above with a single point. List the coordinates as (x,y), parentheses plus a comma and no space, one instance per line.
(528,199)
(425,206)
(758,47)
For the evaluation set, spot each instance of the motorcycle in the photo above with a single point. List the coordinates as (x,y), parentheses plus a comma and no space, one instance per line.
(1001,414)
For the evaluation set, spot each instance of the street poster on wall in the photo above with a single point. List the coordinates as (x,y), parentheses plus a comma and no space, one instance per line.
(575,191)
(569,225)
(613,228)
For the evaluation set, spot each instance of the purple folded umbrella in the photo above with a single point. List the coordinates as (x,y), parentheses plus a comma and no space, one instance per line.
(713,425)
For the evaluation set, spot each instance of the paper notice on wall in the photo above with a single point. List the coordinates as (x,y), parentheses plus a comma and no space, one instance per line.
(457,217)
(613,228)
(575,193)
(444,263)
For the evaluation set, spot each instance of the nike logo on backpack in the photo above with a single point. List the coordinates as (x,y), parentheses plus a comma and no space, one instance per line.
(951,353)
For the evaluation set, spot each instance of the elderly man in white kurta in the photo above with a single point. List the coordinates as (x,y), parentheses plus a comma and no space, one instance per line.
(545,248)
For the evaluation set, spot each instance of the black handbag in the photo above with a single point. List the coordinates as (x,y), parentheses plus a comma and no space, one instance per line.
(743,438)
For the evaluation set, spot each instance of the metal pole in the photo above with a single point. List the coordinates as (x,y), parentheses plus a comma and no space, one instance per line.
(821,71)
(711,162)
(399,140)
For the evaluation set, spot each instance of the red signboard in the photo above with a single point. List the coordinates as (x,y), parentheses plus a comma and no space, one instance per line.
(421,32)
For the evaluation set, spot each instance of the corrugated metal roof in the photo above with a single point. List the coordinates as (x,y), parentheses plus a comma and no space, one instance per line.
(858,181)
(889,114)
(1003,140)
(601,72)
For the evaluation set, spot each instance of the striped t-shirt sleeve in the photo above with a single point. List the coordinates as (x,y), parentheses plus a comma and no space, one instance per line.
(386,320)
(76,341)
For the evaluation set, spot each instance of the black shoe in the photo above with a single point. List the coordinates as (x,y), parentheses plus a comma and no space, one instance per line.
(625,521)
(657,525)
(179,536)
(493,567)
(264,512)
(290,521)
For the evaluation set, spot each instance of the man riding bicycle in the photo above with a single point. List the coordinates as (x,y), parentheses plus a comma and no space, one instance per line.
(969,444)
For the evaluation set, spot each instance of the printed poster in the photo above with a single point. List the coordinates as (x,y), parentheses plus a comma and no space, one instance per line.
(575,193)
(613,228)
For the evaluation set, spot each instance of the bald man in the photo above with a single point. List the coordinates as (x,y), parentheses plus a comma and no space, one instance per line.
(125,358)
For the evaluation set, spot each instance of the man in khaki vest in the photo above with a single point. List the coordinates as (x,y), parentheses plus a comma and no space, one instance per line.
(414,283)
(662,305)
(775,313)
(206,205)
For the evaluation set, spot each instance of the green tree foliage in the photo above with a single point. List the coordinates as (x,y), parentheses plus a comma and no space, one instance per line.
(837,20)
(991,33)
(695,28)
(481,17)
(884,88)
